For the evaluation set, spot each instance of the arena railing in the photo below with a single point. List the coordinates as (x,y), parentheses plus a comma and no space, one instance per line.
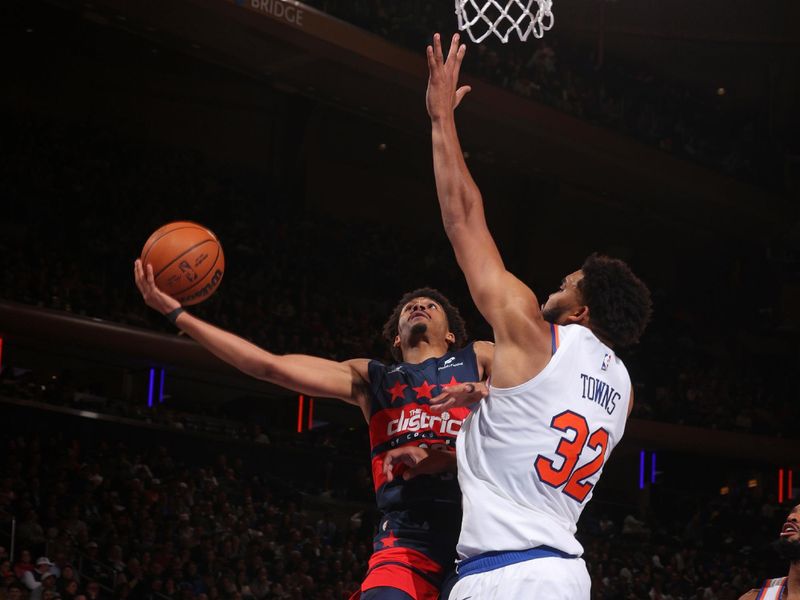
(42,333)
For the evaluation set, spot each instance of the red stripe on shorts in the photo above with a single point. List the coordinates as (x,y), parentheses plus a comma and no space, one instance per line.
(402,568)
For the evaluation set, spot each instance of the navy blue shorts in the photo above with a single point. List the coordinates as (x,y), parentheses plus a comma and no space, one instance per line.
(385,593)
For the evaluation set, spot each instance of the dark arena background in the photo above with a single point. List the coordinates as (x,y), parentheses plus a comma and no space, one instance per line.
(664,132)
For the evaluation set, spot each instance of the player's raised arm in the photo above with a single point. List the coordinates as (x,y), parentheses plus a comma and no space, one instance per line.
(510,307)
(302,373)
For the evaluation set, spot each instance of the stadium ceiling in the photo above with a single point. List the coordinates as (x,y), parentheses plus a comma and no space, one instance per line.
(298,49)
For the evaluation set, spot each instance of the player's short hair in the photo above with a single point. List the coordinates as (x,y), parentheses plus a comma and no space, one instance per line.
(455,322)
(619,303)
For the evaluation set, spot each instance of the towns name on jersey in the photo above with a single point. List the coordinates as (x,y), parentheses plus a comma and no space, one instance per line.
(599,392)
(419,420)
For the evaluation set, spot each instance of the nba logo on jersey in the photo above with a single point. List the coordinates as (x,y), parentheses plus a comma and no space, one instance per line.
(606,362)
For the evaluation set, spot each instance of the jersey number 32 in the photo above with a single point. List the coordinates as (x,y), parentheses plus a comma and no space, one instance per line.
(573,480)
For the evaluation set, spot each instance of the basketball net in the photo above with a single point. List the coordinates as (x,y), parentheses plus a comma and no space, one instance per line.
(482,18)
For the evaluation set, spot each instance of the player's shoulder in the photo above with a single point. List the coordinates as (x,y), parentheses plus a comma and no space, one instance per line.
(483,347)
(360,364)
(751,595)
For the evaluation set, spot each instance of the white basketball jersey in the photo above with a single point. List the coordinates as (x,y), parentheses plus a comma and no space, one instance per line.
(772,589)
(530,456)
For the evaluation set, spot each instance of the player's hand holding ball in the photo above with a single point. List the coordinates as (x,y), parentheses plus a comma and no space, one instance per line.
(153,297)
(182,263)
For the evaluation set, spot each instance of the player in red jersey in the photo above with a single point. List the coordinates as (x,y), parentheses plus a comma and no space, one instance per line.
(415,545)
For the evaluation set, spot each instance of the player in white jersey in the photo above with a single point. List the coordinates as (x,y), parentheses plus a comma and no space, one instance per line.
(531,453)
(788,546)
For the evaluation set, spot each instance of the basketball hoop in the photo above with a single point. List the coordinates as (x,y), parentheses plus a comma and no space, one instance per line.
(481,18)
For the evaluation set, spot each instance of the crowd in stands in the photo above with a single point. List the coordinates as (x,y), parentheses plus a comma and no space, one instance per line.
(97,518)
(616,93)
(111,522)
(101,519)
(65,251)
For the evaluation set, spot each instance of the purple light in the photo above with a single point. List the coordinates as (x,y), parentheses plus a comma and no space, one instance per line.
(653,468)
(641,470)
(161,388)
(150,388)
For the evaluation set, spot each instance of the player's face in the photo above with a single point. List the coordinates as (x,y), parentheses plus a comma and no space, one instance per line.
(423,317)
(565,302)
(791,528)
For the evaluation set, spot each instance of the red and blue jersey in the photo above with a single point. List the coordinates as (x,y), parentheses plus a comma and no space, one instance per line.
(422,514)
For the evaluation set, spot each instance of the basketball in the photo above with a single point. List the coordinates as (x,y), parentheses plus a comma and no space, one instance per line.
(187,261)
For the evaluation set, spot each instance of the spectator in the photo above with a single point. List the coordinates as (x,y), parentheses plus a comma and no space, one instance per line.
(24,564)
(46,587)
(33,579)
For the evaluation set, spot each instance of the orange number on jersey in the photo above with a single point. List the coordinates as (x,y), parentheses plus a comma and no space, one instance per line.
(575,488)
(570,451)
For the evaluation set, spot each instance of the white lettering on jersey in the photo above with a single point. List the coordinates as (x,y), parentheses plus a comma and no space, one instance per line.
(418,420)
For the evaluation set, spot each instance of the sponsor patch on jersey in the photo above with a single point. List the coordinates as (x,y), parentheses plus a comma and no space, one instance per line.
(449,364)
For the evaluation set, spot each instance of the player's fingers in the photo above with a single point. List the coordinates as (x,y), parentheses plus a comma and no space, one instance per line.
(440,408)
(410,474)
(452,52)
(413,471)
(388,469)
(437,49)
(390,462)
(138,276)
(461,92)
(440,398)
(458,59)
(150,277)
(431,59)
(396,457)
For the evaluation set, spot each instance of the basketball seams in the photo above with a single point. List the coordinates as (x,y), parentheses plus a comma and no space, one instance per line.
(147,249)
(165,230)
(181,255)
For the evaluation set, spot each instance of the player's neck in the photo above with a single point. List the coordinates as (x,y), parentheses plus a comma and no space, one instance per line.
(422,351)
(793,583)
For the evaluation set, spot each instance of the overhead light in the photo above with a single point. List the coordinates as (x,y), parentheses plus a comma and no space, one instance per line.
(381,146)
(721,91)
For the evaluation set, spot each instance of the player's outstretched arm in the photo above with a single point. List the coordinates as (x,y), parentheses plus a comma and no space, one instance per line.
(302,373)
(510,307)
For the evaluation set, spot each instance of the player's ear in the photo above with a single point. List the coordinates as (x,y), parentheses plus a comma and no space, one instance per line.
(450,337)
(396,343)
(579,316)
